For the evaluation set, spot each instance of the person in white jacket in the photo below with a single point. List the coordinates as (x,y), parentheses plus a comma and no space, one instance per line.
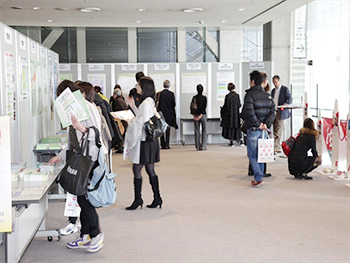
(141,152)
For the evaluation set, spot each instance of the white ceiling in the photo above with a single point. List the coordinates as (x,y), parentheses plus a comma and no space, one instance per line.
(158,13)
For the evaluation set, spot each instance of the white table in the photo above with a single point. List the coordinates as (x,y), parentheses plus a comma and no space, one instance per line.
(30,206)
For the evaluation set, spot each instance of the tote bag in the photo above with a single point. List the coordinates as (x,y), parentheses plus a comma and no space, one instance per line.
(265,149)
(74,176)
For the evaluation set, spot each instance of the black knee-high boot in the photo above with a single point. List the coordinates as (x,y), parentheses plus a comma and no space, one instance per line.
(157,200)
(138,200)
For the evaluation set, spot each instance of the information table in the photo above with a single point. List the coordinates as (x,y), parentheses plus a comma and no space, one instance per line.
(30,207)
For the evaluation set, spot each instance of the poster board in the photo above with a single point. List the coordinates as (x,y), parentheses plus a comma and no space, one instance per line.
(98,75)
(9,96)
(5,175)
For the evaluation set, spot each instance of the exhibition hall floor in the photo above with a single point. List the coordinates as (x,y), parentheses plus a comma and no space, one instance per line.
(210,213)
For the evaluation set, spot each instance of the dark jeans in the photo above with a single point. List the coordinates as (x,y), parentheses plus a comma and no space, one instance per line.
(88,217)
(165,139)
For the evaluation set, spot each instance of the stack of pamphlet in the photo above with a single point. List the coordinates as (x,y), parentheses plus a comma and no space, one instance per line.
(44,167)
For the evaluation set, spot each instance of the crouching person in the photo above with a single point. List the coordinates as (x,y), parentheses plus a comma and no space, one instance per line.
(299,162)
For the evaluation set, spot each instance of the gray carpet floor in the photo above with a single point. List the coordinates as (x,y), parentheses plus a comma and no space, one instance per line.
(212,214)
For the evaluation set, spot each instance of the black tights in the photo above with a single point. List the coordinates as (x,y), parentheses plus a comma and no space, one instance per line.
(136,168)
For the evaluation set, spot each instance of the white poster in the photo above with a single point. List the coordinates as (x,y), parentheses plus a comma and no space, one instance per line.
(97,80)
(189,82)
(34,87)
(24,78)
(126,82)
(159,78)
(10,103)
(5,175)
(224,78)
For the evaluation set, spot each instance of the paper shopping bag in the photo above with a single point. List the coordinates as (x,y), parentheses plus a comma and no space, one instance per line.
(72,207)
(265,150)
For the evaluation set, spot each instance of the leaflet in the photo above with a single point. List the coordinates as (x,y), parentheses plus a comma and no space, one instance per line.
(71,103)
(123,114)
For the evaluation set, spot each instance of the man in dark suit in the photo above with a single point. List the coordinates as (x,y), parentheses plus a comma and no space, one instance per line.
(166,104)
(281,96)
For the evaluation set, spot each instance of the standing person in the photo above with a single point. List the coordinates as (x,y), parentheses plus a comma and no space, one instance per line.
(200,118)
(281,96)
(118,104)
(134,91)
(259,113)
(141,152)
(299,161)
(230,122)
(166,104)
(91,238)
(266,88)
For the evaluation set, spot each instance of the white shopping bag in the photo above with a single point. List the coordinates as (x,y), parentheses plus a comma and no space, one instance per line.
(72,207)
(265,150)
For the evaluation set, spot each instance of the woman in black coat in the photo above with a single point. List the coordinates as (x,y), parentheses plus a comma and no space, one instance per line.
(230,122)
(299,162)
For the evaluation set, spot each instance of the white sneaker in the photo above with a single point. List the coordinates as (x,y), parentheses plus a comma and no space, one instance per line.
(68,229)
(80,242)
(96,243)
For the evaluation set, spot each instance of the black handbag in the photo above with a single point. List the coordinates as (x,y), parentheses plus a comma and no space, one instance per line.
(74,176)
(193,106)
(155,127)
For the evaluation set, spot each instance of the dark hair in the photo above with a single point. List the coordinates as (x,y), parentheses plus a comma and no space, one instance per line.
(256,77)
(77,82)
(88,89)
(276,77)
(231,86)
(97,88)
(139,75)
(264,76)
(66,84)
(147,86)
(309,123)
(267,88)
(200,88)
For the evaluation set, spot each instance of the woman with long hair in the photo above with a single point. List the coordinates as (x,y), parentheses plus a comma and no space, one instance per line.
(141,152)
(299,161)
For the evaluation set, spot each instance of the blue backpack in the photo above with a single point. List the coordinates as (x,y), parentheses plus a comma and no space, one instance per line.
(102,190)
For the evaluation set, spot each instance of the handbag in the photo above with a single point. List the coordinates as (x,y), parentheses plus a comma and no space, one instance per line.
(193,106)
(102,191)
(289,144)
(74,176)
(155,127)
(265,150)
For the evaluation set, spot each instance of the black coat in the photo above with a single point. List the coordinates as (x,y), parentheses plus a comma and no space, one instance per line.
(258,108)
(201,101)
(298,159)
(166,104)
(230,111)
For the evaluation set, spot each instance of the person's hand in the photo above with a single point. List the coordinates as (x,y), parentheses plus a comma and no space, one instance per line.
(263,127)
(55,160)
(77,124)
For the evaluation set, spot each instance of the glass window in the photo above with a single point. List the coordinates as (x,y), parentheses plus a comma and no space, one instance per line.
(197,49)
(252,43)
(106,45)
(157,44)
